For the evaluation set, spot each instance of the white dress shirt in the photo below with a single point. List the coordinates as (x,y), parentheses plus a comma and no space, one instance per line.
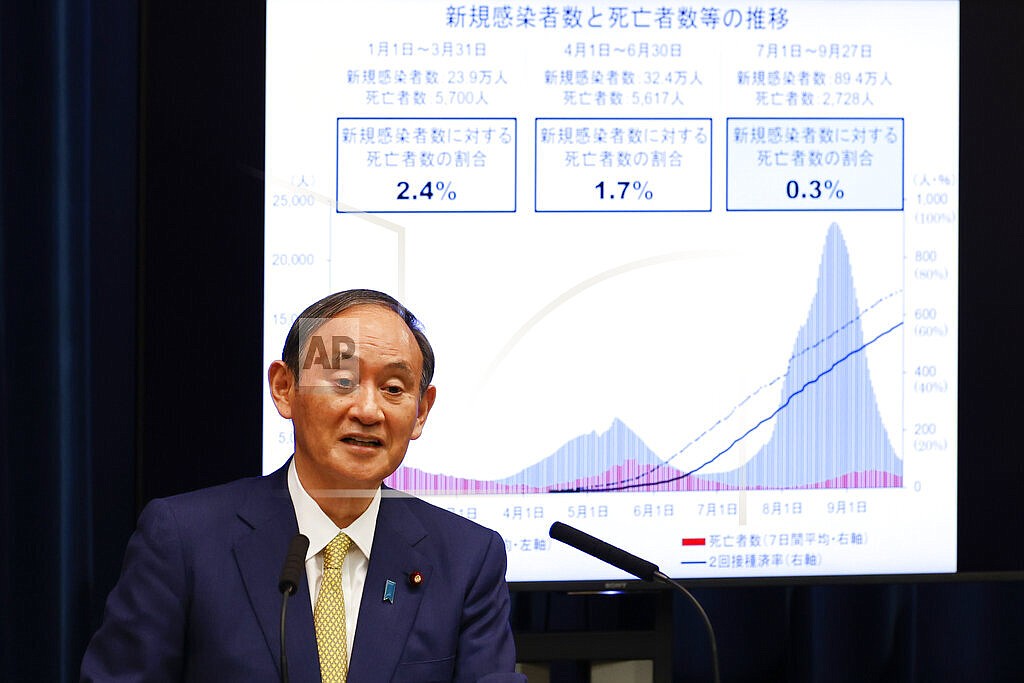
(319,529)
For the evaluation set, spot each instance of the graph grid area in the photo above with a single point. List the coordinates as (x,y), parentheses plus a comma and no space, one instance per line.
(826,430)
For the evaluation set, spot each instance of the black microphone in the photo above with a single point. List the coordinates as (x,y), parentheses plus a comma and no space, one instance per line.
(291,575)
(637,566)
(294,564)
(606,552)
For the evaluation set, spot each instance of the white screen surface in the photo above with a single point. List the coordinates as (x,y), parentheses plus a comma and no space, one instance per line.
(693,269)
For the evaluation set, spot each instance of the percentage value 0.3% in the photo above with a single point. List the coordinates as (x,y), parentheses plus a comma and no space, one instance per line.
(436,189)
(624,189)
(814,189)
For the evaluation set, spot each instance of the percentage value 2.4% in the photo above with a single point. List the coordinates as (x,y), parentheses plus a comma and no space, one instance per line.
(814,189)
(624,189)
(432,189)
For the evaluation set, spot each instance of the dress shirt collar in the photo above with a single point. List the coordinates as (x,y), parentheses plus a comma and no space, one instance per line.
(318,527)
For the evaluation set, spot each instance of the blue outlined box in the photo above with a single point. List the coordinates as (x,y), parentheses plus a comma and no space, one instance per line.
(814,164)
(622,164)
(425,165)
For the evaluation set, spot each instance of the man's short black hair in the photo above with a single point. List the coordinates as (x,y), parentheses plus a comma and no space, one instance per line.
(310,320)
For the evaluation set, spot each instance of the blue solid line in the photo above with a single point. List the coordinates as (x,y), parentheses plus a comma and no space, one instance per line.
(695,562)
(795,393)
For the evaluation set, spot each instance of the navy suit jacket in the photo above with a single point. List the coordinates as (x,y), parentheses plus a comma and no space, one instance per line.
(198,600)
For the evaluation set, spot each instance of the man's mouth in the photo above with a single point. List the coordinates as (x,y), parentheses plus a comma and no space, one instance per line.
(362,441)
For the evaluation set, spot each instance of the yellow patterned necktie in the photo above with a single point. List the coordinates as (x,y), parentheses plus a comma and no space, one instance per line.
(329,614)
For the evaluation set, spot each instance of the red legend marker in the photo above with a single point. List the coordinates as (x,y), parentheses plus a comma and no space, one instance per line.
(694,541)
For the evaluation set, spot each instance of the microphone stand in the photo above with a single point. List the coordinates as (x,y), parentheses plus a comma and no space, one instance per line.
(658,576)
(637,566)
(291,575)
(284,655)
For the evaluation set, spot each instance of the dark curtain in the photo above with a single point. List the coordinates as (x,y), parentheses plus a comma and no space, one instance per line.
(67,341)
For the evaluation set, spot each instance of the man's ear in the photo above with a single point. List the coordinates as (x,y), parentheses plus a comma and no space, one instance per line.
(426,402)
(282,387)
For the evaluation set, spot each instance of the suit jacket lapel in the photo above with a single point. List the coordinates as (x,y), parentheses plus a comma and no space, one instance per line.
(260,555)
(384,626)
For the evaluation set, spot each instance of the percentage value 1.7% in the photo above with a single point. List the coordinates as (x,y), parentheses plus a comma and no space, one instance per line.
(624,189)
(432,189)
(814,189)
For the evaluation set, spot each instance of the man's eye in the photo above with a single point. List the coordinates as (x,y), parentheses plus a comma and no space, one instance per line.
(345,383)
(393,390)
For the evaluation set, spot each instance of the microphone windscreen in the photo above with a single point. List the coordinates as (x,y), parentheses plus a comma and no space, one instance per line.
(294,564)
(606,552)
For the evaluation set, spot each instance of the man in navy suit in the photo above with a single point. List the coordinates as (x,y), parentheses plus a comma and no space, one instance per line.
(424,590)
